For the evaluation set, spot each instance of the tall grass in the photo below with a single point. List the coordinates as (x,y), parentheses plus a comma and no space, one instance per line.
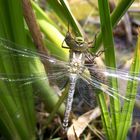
(119,120)
(17,109)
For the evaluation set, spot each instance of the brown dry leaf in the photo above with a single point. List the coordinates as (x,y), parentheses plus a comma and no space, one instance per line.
(81,123)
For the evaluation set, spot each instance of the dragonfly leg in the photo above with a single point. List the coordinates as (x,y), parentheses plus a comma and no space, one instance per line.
(88,56)
(98,54)
(92,57)
(67,39)
(90,44)
(66,47)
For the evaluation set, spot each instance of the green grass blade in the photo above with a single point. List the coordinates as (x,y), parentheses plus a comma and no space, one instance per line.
(104,114)
(71,19)
(62,9)
(16,18)
(131,92)
(53,35)
(6,124)
(58,10)
(61,100)
(117,14)
(40,13)
(107,38)
(12,28)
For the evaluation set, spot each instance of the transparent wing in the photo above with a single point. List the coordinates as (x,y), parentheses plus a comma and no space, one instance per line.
(25,79)
(10,49)
(99,78)
(57,69)
(17,85)
(84,98)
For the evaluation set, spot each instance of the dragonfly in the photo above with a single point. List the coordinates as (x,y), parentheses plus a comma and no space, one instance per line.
(80,66)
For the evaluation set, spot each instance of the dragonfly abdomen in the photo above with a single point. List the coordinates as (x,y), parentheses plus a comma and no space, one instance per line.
(73,79)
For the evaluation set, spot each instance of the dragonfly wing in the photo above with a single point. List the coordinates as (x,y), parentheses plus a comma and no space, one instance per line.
(56,69)
(100,79)
(59,79)
(84,98)
(24,80)
(10,49)
(22,74)
(110,72)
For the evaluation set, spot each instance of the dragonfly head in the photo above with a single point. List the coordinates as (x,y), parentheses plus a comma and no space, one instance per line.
(80,44)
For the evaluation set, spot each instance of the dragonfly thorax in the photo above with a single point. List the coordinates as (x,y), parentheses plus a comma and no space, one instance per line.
(77,61)
(80,44)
